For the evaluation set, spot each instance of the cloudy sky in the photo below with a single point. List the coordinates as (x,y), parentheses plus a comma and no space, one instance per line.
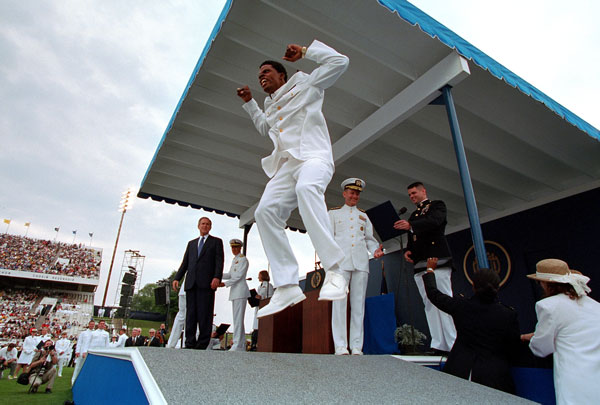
(88,87)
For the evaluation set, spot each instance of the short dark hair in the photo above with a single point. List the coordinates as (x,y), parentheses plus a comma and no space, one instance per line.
(265,275)
(277,66)
(415,184)
(486,283)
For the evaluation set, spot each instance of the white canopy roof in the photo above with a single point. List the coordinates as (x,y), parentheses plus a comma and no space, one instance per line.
(523,148)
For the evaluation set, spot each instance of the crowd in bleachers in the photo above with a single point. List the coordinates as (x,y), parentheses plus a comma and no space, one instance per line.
(44,256)
(17,315)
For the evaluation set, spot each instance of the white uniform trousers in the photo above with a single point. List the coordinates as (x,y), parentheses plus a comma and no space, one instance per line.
(239,333)
(358,291)
(441,325)
(296,184)
(78,364)
(178,324)
(62,360)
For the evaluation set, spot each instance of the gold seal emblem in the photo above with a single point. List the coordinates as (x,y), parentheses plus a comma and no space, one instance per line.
(498,259)
(315,280)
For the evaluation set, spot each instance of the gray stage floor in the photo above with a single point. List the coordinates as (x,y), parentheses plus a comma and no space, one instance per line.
(192,376)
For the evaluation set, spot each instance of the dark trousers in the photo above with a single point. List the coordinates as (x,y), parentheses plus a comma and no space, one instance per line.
(200,303)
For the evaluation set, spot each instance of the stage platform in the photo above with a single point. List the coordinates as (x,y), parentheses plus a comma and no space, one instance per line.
(191,376)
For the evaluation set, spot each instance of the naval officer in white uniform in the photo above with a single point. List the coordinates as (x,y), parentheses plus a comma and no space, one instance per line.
(238,293)
(300,167)
(353,231)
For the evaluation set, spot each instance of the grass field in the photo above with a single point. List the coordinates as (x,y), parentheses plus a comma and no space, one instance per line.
(15,394)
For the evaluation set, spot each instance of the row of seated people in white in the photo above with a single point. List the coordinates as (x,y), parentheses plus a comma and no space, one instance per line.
(89,339)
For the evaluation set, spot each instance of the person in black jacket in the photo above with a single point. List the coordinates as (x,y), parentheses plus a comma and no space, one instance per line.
(487,331)
(202,266)
(426,227)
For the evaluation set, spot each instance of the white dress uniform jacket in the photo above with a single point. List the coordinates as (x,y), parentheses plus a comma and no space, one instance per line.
(83,342)
(570,329)
(236,278)
(99,339)
(63,345)
(353,231)
(293,118)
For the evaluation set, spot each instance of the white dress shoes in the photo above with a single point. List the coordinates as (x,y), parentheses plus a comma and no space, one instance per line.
(341,351)
(335,287)
(283,297)
(357,352)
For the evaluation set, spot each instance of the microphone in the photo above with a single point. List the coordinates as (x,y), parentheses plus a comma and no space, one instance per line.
(402,211)
(249,278)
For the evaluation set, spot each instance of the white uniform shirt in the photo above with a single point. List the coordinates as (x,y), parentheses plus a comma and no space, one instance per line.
(236,278)
(8,355)
(265,290)
(353,232)
(63,345)
(570,329)
(99,339)
(122,339)
(83,341)
(293,118)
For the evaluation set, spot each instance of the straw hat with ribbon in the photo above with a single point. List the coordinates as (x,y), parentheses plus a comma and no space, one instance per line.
(557,271)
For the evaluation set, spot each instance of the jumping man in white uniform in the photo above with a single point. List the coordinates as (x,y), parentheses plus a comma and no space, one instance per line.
(300,167)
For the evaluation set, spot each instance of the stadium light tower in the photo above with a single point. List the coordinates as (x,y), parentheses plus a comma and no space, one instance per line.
(126,203)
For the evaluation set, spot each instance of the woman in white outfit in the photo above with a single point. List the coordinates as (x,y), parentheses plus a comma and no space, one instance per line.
(238,293)
(264,291)
(568,327)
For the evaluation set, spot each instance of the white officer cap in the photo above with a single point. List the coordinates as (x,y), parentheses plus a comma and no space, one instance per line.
(354,184)
(236,242)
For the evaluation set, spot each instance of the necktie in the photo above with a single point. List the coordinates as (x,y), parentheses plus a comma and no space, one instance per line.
(200,245)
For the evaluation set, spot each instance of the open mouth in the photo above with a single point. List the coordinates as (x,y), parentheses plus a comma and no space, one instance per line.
(263,82)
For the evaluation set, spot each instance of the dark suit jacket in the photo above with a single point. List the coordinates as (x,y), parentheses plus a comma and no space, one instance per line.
(487,338)
(201,270)
(155,342)
(427,238)
(139,342)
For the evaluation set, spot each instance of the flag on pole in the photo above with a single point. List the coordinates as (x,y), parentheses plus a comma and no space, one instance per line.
(27,224)
(56,229)
(75,232)
(7,221)
(91,234)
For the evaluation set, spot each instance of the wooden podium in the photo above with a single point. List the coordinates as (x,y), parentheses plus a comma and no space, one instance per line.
(281,332)
(316,325)
(303,328)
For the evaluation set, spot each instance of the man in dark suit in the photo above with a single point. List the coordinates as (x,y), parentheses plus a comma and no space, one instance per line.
(202,267)
(136,338)
(426,227)
(153,340)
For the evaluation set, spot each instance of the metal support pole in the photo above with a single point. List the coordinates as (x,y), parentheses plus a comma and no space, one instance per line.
(112,261)
(465,178)
(246,232)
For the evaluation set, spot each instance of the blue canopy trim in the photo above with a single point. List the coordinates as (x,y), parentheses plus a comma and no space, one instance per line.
(433,28)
